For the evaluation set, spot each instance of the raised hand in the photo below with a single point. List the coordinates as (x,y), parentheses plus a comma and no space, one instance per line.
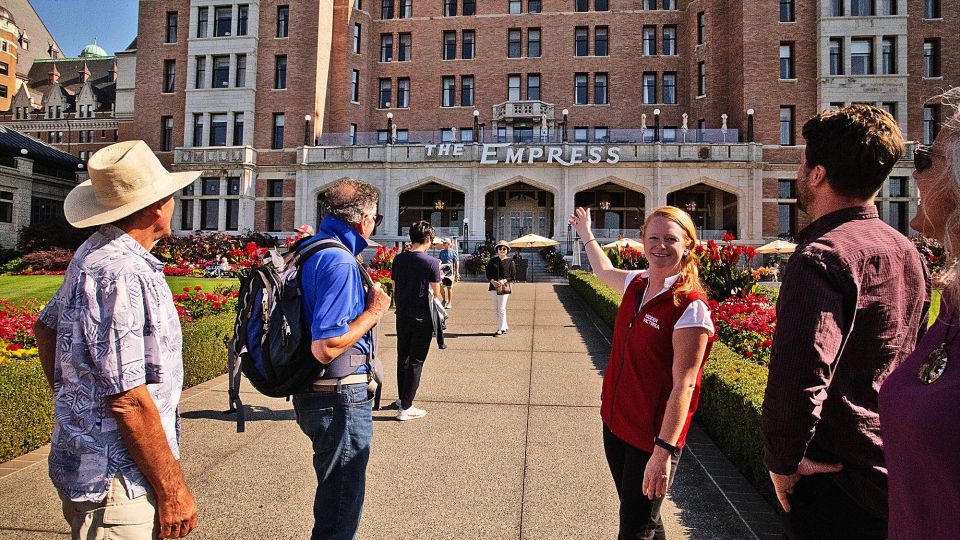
(580,221)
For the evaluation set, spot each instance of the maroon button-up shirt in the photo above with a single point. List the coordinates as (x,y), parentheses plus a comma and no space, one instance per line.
(853,302)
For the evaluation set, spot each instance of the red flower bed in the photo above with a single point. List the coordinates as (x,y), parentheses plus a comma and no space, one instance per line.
(16,325)
(746,325)
(195,304)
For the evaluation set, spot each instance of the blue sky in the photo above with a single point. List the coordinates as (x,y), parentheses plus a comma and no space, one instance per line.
(75,23)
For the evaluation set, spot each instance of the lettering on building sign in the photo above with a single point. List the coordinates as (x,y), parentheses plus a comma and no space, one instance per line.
(520,155)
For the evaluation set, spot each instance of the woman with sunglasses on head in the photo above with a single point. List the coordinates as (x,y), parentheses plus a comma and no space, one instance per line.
(501,271)
(920,400)
(651,386)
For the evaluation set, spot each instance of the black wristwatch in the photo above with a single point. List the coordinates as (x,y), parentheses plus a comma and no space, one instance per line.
(674,451)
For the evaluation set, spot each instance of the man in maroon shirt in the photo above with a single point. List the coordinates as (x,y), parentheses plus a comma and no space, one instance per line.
(854,297)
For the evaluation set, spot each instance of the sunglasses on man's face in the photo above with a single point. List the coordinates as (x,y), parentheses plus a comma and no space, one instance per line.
(922,158)
(377,219)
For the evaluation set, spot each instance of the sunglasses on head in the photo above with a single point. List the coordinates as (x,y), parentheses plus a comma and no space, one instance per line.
(922,158)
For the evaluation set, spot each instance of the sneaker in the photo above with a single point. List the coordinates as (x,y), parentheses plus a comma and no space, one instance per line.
(449,305)
(441,347)
(445,304)
(410,414)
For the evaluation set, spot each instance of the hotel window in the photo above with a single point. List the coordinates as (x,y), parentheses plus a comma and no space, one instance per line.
(469,45)
(861,57)
(466,135)
(171,27)
(386,94)
(888,7)
(786,126)
(469,7)
(446,135)
(353,134)
(600,89)
(701,79)
(786,219)
(862,8)
(601,41)
(241,71)
(274,216)
(166,134)
(581,41)
(283,21)
(533,43)
(670,5)
(386,47)
(197,129)
(403,93)
(649,40)
(890,107)
(580,89)
(280,72)
(836,56)
(888,56)
(649,4)
(581,5)
(448,95)
(931,9)
(238,129)
(513,88)
(275,188)
(218,129)
(670,40)
(209,213)
(786,11)
(670,88)
(278,123)
(202,14)
(243,15)
(649,88)
(601,134)
(836,8)
(169,76)
(513,43)
(514,7)
(233,204)
(201,72)
(701,28)
(449,45)
(786,61)
(386,9)
(534,6)
(221,71)
(449,8)
(786,189)
(931,114)
(6,206)
(355,86)
(931,58)
(580,134)
(898,218)
(406,9)
(222,21)
(404,48)
(356,38)
(898,186)
(466,91)
(601,5)
(533,86)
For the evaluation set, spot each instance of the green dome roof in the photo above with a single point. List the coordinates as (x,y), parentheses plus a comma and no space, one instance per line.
(93,50)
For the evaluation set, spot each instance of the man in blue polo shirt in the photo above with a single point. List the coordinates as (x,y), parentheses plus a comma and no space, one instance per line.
(337,413)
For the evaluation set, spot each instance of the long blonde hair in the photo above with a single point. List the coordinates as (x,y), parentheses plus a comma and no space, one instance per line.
(689,281)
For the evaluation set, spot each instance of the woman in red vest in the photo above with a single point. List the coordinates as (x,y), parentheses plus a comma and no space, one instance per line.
(661,337)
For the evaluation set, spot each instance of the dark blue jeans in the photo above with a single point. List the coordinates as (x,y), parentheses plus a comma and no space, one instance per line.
(340,426)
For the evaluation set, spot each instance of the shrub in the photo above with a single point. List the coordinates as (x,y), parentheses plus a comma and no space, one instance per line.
(12,266)
(204,354)
(52,234)
(477,263)
(556,264)
(53,260)
(602,299)
(720,270)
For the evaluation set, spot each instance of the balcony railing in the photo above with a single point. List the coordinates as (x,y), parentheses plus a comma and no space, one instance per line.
(534,136)
(215,155)
(527,110)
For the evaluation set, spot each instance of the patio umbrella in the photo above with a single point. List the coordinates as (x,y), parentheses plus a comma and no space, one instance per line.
(624,243)
(532,241)
(777,246)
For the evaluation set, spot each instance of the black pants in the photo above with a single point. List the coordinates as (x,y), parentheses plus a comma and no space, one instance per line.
(639,516)
(820,510)
(413,344)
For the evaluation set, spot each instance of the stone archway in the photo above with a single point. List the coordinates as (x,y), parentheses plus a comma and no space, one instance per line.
(441,205)
(517,209)
(616,210)
(714,210)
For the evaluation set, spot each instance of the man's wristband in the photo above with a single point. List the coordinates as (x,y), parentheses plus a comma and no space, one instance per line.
(587,243)
(674,451)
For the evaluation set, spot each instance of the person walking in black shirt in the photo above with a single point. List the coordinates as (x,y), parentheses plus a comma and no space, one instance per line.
(501,271)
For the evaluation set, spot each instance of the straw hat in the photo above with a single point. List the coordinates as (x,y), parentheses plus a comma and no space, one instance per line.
(503,243)
(124,177)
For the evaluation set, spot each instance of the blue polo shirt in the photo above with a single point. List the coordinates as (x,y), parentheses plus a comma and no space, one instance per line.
(333,294)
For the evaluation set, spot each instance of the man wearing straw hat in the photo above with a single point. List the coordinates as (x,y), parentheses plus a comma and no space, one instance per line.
(110,346)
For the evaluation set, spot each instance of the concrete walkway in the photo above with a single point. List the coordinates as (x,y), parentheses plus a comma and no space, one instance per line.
(511,447)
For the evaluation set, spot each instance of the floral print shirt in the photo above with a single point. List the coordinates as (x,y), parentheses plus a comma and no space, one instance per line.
(117,329)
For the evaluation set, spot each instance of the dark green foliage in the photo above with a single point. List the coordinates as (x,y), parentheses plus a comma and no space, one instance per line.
(556,264)
(204,355)
(52,234)
(602,299)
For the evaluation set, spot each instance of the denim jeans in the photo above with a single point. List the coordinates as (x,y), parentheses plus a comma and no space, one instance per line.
(340,426)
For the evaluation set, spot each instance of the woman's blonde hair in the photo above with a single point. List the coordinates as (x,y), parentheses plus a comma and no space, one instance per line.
(689,281)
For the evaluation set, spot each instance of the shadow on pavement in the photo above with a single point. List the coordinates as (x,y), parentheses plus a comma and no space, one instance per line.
(252,413)
(585,327)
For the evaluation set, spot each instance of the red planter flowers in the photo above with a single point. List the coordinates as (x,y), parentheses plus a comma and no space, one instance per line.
(746,325)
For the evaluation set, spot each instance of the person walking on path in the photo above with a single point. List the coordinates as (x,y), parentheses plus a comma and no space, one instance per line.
(920,400)
(854,297)
(651,386)
(111,348)
(337,414)
(449,256)
(415,274)
(501,271)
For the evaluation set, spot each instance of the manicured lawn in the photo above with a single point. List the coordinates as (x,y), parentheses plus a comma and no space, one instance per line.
(42,288)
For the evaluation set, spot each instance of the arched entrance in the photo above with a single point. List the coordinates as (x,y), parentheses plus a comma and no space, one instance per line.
(615,210)
(518,209)
(713,210)
(440,205)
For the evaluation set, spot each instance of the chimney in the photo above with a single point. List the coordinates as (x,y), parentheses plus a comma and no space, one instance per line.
(54,75)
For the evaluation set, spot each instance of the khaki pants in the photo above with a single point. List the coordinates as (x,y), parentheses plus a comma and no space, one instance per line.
(115,518)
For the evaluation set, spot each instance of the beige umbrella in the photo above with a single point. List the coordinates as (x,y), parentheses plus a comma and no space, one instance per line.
(532,241)
(624,243)
(777,246)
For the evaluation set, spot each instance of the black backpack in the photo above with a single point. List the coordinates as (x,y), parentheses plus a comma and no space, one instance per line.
(271,341)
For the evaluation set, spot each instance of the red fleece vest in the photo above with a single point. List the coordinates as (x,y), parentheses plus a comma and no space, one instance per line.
(639,375)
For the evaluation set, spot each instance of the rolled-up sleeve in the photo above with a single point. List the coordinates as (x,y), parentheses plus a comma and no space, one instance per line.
(114,329)
(810,329)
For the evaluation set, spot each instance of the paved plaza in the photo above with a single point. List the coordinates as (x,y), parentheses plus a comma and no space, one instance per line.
(511,447)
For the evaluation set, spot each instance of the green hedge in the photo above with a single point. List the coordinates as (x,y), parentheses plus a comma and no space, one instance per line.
(26,404)
(731,393)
